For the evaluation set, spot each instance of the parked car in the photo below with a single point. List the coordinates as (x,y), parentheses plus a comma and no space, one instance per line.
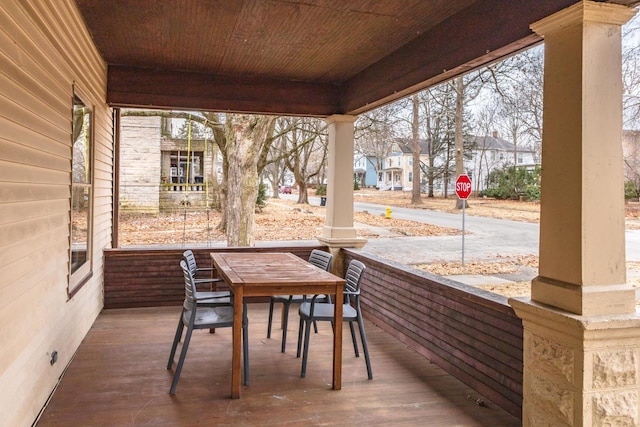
(285,189)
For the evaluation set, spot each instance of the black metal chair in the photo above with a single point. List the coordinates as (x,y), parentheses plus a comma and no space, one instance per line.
(320,259)
(213,298)
(196,316)
(313,311)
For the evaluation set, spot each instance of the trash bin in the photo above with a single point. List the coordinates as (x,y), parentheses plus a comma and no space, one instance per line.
(323,201)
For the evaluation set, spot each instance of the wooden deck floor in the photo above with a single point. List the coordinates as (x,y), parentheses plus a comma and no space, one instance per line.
(119,378)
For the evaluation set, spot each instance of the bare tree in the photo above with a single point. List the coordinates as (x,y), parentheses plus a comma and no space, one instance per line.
(459,137)
(631,73)
(485,121)
(467,88)
(275,170)
(416,150)
(437,104)
(306,143)
(631,152)
(519,97)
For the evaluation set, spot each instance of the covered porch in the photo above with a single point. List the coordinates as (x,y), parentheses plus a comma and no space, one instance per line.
(578,344)
(468,338)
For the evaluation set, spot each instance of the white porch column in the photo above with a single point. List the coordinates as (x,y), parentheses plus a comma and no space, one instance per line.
(339,231)
(582,248)
(581,328)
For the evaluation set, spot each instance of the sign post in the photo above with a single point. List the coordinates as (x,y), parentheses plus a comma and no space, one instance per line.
(463,190)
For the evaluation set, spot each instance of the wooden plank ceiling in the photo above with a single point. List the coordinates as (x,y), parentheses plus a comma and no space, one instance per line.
(299,57)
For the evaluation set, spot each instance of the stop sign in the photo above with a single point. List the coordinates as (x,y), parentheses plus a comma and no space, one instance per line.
(463,187)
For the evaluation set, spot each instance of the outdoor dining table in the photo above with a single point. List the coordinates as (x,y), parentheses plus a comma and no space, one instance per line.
(276,273)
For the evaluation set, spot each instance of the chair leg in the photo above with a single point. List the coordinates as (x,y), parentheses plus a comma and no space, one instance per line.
(332,322)
(285,325)
(300,337)
(176,340)
(270,319)
(305,351)
(365,347)
(245,352)
(183,354)
(353,338)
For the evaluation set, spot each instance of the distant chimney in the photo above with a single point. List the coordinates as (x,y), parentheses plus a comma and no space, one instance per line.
(495,134)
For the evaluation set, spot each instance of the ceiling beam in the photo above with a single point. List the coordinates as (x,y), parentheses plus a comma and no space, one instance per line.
(499,29)
(144,88)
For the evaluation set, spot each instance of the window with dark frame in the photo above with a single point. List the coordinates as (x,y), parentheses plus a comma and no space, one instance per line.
(81,194)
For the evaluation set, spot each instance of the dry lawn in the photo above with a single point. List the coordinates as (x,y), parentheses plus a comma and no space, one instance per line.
(286,220)
(505,264)
(279,220)
(506,209)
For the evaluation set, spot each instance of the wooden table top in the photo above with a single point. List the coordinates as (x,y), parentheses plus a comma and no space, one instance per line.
(270,269)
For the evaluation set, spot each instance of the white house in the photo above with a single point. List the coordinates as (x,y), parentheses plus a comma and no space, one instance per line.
(398,166)
(491,153)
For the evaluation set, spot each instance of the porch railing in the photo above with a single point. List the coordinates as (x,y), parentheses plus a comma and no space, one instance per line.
(472,334)
(183,187)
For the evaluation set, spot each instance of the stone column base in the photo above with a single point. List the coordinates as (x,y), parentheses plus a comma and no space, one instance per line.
(346,242)
(335,244)
(579,370)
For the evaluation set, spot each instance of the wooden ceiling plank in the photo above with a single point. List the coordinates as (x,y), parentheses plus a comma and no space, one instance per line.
(136,87)
(480,34)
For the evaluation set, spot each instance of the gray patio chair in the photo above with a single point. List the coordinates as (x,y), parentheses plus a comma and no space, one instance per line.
(317,311)
(195,316)
(209,297)
(320,259)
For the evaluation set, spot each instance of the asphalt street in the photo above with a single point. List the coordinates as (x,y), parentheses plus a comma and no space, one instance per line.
(484,238)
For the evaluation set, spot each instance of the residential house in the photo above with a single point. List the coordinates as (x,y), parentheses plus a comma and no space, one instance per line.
(398,165)
(365,171)
(491,153)
(140,174)
(162,172)
(488,153)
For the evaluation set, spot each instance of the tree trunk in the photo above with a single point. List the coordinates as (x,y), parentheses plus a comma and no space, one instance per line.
(214,185)
(415,122)
(303,196)
(245,134)
(430,177)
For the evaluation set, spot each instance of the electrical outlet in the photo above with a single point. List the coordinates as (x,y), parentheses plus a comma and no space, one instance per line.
(54,358)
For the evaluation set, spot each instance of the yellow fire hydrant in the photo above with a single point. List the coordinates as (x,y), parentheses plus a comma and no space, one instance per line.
(388,214)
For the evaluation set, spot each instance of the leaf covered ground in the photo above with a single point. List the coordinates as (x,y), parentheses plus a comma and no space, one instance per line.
(286,220)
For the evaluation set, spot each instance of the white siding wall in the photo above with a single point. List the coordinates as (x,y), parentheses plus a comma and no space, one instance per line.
(44,49)
(140,174)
